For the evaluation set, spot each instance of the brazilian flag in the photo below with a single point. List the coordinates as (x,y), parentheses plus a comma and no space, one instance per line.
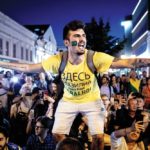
(135,85)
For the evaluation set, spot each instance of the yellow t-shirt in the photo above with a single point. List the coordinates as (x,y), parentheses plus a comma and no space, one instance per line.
(80,84)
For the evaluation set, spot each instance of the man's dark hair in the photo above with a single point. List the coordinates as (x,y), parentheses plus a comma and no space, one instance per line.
(73,25)
(105,78)
(69,144)
(116,100)
(4,131)
(45,121)
(36,90)
(137,95)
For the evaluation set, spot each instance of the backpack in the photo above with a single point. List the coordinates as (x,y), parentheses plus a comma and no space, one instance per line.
(90,64)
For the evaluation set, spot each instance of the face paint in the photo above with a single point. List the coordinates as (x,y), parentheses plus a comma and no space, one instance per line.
(74,43)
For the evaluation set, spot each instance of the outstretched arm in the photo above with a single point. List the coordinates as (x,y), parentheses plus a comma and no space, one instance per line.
(22,67)
(130,62)
(136,127)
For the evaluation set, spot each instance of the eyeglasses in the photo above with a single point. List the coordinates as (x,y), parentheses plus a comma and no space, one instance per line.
(39,127)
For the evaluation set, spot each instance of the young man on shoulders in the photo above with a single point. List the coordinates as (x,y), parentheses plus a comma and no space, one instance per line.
(81,91)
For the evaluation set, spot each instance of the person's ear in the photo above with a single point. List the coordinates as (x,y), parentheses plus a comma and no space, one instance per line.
(66,43)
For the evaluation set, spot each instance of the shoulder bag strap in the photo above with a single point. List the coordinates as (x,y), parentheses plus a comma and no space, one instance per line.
(63,63)
(90,62)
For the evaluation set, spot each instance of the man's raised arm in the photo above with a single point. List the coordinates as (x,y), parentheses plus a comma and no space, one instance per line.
(22,67)
(130,62)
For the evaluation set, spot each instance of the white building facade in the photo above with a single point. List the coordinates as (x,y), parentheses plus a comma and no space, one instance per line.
(45,45)
(19,44)
(16,42)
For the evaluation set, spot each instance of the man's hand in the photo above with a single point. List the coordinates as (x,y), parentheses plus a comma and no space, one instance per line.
(48,98)
(139,126)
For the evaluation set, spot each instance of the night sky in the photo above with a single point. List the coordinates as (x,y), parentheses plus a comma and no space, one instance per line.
(59,12)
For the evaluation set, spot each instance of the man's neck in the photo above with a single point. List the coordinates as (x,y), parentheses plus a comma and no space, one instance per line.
(105,84)
(42,137)
(75,59)
(132,113)
(5,148)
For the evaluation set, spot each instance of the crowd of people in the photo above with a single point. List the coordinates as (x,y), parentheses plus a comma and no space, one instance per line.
(78,106)
(27,111)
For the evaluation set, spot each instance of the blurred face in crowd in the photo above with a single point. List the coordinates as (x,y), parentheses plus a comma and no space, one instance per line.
(42,76)
(104,80)
(116,105)
(133,74)
(123,78)
(133,136)
(106,101)
(28,79)
(39,129)
(53,88)
(8,74)
(3,141)
(144,74)
(132,104)
(113,78)
(140,103)
(118,96)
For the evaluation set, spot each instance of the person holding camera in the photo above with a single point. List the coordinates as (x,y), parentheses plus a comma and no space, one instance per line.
(19,113)
(127,138)
(126,117)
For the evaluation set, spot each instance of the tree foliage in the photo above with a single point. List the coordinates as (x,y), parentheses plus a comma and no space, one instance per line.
(98,38)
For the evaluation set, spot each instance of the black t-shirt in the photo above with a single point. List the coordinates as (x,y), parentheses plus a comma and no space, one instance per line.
(124,120)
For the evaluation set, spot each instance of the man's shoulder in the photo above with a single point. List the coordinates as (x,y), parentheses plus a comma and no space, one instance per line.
(50,138)
(122,113)
(32,138)
(52,63)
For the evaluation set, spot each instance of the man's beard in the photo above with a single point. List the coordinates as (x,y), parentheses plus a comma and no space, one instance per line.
(3,147)
(80,53)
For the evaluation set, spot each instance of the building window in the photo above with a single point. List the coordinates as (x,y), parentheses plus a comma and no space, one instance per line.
(30,55)
(1,46)
(21,52)
(14,50)
(26,54)
(7,48)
